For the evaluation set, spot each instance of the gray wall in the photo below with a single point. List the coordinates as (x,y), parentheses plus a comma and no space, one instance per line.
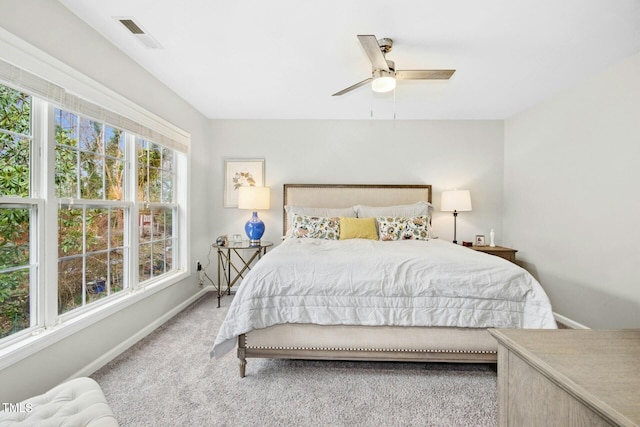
(572,196)
(51,27)
(446,154)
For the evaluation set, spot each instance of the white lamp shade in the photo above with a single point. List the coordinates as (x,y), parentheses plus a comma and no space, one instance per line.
(383,84)
(253,198)
(456,200)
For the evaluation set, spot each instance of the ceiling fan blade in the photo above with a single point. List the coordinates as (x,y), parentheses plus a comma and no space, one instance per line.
(350,88)
(372,48)
(424,74)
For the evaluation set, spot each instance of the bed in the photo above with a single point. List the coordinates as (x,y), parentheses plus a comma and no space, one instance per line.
(414,298)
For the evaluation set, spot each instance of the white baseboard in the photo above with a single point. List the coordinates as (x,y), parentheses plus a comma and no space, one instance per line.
(568,322)
(125,345)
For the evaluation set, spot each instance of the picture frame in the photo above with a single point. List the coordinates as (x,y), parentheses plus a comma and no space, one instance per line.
(480,240)
(239,173)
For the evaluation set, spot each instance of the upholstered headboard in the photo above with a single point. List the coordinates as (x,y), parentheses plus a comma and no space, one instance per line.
(347,195)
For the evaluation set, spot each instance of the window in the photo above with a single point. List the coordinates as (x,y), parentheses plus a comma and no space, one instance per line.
(90,162)
(156,181)
(17,213)
(102,196)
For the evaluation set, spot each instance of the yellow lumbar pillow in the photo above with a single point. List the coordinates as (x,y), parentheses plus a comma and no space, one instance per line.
(358,228)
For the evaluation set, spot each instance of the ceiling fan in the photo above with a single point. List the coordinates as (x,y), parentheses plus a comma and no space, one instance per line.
(384,74)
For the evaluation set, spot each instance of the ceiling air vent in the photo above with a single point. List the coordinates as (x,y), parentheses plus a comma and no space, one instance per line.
(137,31)
(131,26)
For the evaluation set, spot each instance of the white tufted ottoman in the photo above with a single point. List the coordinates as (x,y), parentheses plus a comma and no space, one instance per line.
(79,402)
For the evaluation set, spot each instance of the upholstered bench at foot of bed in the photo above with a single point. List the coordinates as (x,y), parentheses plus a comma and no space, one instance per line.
(79,402)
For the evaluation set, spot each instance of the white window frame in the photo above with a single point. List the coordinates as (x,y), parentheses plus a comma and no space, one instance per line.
(35,203)
(76,92)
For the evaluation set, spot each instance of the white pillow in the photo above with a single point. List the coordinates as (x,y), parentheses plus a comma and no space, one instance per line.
(398,211)
(315,212)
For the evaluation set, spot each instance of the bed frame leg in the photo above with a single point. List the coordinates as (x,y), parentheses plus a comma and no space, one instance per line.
(243,367)
(242,361)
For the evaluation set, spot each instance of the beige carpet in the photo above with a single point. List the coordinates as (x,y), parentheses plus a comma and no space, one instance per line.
(168,379)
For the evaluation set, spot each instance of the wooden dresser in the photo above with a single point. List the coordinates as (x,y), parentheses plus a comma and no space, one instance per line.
(568,377)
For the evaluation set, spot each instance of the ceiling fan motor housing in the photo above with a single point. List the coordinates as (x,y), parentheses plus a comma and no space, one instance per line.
(383,73)
(385,45)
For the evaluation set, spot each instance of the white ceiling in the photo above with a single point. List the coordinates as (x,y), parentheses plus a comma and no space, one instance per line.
(283,59)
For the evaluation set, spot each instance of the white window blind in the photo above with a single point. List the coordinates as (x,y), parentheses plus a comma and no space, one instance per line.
(41,88)
(30,83)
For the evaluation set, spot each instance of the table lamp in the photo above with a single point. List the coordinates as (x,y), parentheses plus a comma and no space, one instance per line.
(455,201)
(254,198)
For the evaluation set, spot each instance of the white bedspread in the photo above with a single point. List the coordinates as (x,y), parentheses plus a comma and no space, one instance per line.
(399,283)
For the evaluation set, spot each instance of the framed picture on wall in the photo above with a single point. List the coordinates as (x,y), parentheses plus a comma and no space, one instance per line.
(240,173)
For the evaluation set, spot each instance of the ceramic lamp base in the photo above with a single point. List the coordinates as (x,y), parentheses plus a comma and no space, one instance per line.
(254,229)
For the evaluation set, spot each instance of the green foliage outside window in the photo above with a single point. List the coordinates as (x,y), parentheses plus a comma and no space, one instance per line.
(15,146)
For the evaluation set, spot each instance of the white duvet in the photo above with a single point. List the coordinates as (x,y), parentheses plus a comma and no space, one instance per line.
(398,283)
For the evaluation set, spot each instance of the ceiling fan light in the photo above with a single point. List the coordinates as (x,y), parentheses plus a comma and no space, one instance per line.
(383,84)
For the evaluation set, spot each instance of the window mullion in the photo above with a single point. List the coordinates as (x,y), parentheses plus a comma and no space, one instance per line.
(36,217)
(181,198)
(84,256)
(48,237)
(103,154)
(131,224)
(78,159)
(147,168)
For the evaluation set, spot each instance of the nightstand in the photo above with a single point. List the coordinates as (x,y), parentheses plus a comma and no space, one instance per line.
(506,253)
(226,261)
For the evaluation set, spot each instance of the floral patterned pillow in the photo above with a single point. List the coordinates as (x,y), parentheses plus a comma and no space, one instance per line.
(314,227)
(416,228)
(390,228)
